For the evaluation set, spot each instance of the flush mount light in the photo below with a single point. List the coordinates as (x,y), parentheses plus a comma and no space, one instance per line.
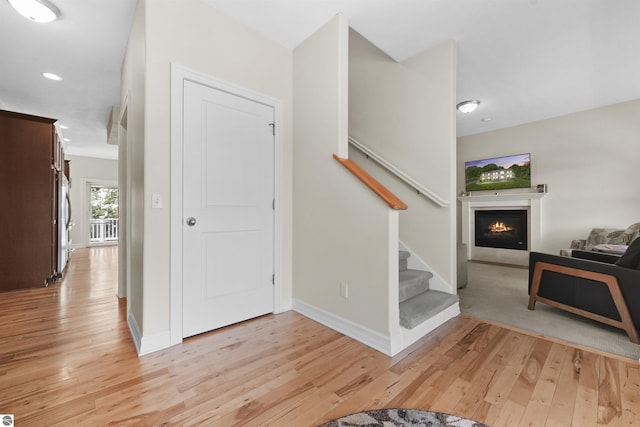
(52,76)
(36,10)
(468,106)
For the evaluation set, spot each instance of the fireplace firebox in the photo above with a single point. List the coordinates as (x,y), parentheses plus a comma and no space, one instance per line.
(505,229)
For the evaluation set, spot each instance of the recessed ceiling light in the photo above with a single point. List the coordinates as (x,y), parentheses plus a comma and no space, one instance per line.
(64,127)
(52,76)
(66,139)
(486,119)
(36,10)
(468,106)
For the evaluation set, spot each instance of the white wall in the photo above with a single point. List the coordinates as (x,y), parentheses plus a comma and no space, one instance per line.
(342,229)
(405,113)
(86,169)
(131,168)
(195,35)
(587,159)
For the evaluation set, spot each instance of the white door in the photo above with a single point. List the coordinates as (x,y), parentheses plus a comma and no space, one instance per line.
(228,209)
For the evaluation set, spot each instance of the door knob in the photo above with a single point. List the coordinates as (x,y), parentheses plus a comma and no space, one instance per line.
(191,221)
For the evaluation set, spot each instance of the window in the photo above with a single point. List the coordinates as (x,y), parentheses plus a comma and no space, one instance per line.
(104,215)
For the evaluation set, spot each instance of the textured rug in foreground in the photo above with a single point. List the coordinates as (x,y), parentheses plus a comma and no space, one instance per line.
(402,417)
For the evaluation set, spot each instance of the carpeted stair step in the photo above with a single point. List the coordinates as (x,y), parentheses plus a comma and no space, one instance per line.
(404,255)
(413,282)
(424,306)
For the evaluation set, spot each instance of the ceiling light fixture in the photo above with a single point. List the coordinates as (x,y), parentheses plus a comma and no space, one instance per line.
(468,106)
(52,76)
(36,10)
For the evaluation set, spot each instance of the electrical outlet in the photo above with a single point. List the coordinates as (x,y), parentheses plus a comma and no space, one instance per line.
(344,290)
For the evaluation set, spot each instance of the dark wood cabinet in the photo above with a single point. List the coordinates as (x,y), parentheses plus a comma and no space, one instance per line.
(32,161)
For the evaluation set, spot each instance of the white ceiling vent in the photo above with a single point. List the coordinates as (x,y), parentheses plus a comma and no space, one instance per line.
(113,128)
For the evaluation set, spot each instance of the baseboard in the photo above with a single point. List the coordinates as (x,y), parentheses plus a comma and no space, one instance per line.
(149,344)
(366,336)
(134,329)
(285,304)
(410,336)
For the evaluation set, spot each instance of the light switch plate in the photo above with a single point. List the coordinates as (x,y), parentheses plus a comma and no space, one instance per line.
(156,201)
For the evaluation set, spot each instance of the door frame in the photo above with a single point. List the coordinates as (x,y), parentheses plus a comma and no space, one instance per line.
(87,183)
(179,74)
(124,205)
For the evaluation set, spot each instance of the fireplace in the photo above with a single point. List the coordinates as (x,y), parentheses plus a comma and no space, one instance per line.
(529,201)
(505,228)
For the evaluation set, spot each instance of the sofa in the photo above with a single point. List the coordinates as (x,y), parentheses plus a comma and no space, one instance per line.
(600,286)
(599,237)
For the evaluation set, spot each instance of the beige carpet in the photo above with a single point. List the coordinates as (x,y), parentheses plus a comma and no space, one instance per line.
(499,294)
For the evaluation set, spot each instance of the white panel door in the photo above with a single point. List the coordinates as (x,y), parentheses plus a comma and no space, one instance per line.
(228,216)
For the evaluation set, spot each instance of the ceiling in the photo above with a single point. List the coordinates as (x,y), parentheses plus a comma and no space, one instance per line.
(525,60)
(85,47)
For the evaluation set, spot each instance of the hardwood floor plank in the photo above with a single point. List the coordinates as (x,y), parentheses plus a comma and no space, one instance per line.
(630,385)
(510,415)
(586,408)
(450,397)
(485,354)
(564,396)
(530,375)
(66,358)
(510,361)
(609,395)
(473,395)
(537,409)
(439,341)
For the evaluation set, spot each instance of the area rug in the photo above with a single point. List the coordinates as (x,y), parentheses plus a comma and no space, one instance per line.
(402,418)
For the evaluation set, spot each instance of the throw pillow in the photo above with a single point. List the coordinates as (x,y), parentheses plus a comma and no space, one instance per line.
(631,257)
(627,236)
(599,236)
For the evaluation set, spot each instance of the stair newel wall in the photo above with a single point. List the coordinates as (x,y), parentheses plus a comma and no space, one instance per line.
(395,332)
(344,235)
(405,112)
(342,230)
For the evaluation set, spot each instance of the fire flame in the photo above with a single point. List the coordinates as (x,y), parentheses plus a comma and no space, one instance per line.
(499,227)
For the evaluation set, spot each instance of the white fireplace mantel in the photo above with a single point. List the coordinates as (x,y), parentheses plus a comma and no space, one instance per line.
(529,201)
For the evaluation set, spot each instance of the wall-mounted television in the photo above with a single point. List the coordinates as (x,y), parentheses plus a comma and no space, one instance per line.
(498,173)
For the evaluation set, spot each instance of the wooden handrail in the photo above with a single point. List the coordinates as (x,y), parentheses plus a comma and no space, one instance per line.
(390,199)
(397,172)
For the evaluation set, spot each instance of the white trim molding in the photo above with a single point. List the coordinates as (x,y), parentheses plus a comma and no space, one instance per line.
(377,341)
(136,334)
(180,74)
(368,337)
(410,336)
(85,210)
(527,201)
(147,344)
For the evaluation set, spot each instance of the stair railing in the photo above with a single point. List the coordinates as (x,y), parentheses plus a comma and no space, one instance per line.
(397,172)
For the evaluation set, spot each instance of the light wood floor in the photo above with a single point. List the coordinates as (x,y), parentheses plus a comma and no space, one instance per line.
(66,358)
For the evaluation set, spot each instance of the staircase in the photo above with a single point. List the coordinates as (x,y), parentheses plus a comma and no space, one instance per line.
(418,303)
